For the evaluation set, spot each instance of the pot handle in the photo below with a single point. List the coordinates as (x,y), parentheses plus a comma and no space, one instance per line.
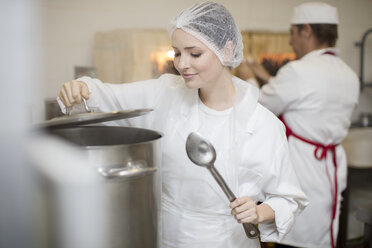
(129,172)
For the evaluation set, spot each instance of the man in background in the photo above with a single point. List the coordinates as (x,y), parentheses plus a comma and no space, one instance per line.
(314,96)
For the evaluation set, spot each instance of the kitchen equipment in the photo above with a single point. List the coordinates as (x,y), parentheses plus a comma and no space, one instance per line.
(201,152)
(86,105)
(358,146)
(52,109)
(93,117)
(362,45)
(127,159)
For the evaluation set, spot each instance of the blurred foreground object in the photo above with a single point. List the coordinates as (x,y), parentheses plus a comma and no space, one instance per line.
(66,196)
(102,183)
(20,29)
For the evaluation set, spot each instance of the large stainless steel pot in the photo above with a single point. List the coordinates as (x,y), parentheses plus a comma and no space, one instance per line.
(127,159)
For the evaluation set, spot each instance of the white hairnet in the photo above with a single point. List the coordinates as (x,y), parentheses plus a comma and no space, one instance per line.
(212,24)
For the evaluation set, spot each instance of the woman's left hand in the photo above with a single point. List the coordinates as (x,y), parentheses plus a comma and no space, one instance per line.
(244,210)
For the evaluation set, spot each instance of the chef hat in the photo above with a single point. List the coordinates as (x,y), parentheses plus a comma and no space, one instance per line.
(315,13)
(212,24)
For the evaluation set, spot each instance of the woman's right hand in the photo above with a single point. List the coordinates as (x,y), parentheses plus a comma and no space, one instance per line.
(71,92)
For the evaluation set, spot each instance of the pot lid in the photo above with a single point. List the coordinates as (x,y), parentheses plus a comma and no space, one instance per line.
(93,117)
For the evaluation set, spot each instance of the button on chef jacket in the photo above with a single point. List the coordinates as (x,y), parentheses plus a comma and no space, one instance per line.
(252,157)
(316,96)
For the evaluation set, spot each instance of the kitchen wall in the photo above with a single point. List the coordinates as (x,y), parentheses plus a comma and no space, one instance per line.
(71,24)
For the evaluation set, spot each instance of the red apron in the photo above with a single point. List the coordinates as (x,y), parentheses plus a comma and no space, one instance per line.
(320,152)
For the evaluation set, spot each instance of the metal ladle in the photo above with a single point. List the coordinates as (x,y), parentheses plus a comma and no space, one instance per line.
(201,152)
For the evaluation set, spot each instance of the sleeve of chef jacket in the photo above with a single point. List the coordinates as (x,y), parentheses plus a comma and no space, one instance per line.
(282,193)
(282,90)
(142,94)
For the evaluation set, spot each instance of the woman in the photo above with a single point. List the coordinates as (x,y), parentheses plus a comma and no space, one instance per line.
(250,141)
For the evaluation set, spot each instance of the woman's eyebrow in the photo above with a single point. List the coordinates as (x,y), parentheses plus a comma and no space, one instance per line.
(192,47)
(186,48)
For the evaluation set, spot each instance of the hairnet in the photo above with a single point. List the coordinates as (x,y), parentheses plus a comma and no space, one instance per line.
(212,24)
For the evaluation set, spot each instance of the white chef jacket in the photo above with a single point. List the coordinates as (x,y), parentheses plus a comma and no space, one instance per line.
(316,96)
(195,211)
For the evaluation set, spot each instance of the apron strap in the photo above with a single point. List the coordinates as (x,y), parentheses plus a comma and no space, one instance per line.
(320,156)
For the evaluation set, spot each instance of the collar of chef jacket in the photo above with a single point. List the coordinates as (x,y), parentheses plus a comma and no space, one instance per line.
(320,52)
(243,109)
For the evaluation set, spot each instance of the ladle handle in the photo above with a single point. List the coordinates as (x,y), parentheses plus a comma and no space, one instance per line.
(230,195)
(250,229)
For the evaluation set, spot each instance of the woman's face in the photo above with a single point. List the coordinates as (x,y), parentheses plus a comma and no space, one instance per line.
(198,65)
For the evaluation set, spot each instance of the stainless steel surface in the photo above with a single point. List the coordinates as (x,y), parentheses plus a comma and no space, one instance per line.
(358,147)
(127,159)
(93,117)
(362,45)
(52,109)
(364,120)
(201,152)
(126,173)
(86,105)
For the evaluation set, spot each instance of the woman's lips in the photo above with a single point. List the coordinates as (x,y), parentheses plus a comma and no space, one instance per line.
(188,76)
